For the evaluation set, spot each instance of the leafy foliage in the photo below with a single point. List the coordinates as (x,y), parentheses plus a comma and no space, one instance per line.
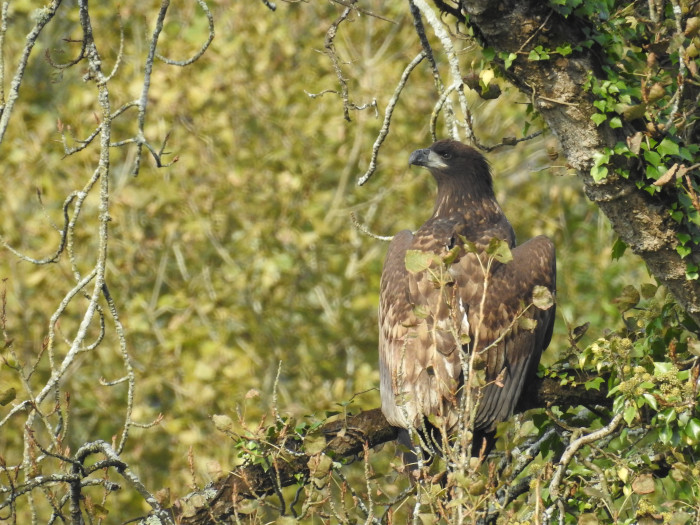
(649,84)
(641,470)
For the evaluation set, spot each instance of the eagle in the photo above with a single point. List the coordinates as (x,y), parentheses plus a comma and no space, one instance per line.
(458,297)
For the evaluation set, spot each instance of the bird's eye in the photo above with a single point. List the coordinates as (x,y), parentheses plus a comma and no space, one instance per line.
(447,156)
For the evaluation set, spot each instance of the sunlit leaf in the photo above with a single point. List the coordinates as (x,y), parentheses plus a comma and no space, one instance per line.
(542,297)
(527,324)
(499,250)
(418,261)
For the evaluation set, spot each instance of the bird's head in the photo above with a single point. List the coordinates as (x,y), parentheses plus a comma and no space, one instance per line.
(451,160)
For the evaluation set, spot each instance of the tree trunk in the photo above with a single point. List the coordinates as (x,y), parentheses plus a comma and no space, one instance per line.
(643,222)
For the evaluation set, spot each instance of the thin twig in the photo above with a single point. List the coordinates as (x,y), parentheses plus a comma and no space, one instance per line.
(363,229)
(44,16)
(568,455)
(205,46)
(384,131)
(453,61)
(143,100)
(329,44)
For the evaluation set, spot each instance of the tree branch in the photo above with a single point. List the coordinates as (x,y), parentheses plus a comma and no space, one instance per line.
(345,438)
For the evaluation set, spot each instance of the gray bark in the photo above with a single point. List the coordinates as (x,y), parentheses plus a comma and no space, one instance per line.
(643,222)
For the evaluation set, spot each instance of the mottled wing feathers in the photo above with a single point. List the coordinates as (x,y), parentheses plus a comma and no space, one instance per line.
(507,309)
(426,316)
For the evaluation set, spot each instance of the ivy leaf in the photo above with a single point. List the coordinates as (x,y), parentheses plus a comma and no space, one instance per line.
(599,171)
(594,384)
(667,147)
(618,249)
(650,400)
(598,118)
(692,430)
(629,414)
(683,251)
(416,261)
(615,122)
(507,61)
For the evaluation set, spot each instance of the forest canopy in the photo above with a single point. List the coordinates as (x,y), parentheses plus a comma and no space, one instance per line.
(190,267)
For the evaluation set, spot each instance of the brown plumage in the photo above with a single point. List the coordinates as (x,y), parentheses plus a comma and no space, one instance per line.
(428,317)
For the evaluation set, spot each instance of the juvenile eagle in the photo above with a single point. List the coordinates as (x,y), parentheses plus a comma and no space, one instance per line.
(430,308)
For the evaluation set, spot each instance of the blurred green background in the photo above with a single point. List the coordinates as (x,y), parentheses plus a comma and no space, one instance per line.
(242,254)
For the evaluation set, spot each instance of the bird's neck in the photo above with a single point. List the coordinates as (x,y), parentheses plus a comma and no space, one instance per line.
(456,198)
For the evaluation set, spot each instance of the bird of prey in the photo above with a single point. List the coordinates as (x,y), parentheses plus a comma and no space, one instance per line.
(459,319)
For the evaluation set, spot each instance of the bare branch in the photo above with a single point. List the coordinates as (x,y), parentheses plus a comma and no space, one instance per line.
(455,71)
(363,229)
(568,455)
(205,46)
(143,100)
(44,17)
(384,131)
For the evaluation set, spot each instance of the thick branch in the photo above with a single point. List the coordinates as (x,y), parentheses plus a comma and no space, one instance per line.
(555,87)
(345,439)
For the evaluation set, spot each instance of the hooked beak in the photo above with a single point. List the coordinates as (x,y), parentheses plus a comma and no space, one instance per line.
(426,158)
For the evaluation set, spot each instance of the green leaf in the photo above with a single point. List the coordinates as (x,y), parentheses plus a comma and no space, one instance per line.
(648,290)
(598,118)
(601,105)
(652,157)
(499,250)
(629,414)
(469,246)
(508,61)
(650,400)
(416,261)
(542,297)
(527,324)
(667,147)
(692,430)
(665,435)
(7,396)
(618,249)
(662,367)
(594,384)
(489,54)
(451,255)
(599,171)
(615,122)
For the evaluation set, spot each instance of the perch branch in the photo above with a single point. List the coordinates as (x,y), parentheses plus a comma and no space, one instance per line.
(345,438)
